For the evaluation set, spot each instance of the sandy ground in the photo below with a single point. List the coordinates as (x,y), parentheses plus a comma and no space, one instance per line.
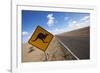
(54,52)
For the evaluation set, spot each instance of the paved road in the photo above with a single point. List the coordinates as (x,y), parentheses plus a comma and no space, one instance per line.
(80,46)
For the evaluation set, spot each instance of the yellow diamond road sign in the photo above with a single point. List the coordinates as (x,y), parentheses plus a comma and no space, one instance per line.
(41,38)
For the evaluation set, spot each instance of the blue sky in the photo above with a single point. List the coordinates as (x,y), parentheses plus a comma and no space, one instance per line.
(54,22)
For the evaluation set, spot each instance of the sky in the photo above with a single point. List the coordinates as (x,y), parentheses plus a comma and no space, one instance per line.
(54,22)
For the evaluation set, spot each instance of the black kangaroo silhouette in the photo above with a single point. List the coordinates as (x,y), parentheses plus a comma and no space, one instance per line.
(42,37)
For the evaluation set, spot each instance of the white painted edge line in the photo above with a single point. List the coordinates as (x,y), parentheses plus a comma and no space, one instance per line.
(68,49)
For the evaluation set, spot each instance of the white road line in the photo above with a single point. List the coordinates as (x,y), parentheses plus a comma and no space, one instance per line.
(68,49)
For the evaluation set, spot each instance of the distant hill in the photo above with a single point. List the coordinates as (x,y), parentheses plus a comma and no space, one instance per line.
(82,32)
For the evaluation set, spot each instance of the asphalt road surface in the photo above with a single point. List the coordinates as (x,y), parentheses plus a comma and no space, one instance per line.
(80,46)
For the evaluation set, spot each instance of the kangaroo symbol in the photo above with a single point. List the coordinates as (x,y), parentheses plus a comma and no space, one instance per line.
(42,37)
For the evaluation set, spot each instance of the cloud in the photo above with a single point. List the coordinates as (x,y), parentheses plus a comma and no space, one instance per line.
(24,33)
(66,18)
(83,22)
(74,22)
(85,18)
(57,31)
(51,20)
(73,25)
(26,36)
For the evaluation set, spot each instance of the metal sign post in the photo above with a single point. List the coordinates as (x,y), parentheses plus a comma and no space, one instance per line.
(46,56)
